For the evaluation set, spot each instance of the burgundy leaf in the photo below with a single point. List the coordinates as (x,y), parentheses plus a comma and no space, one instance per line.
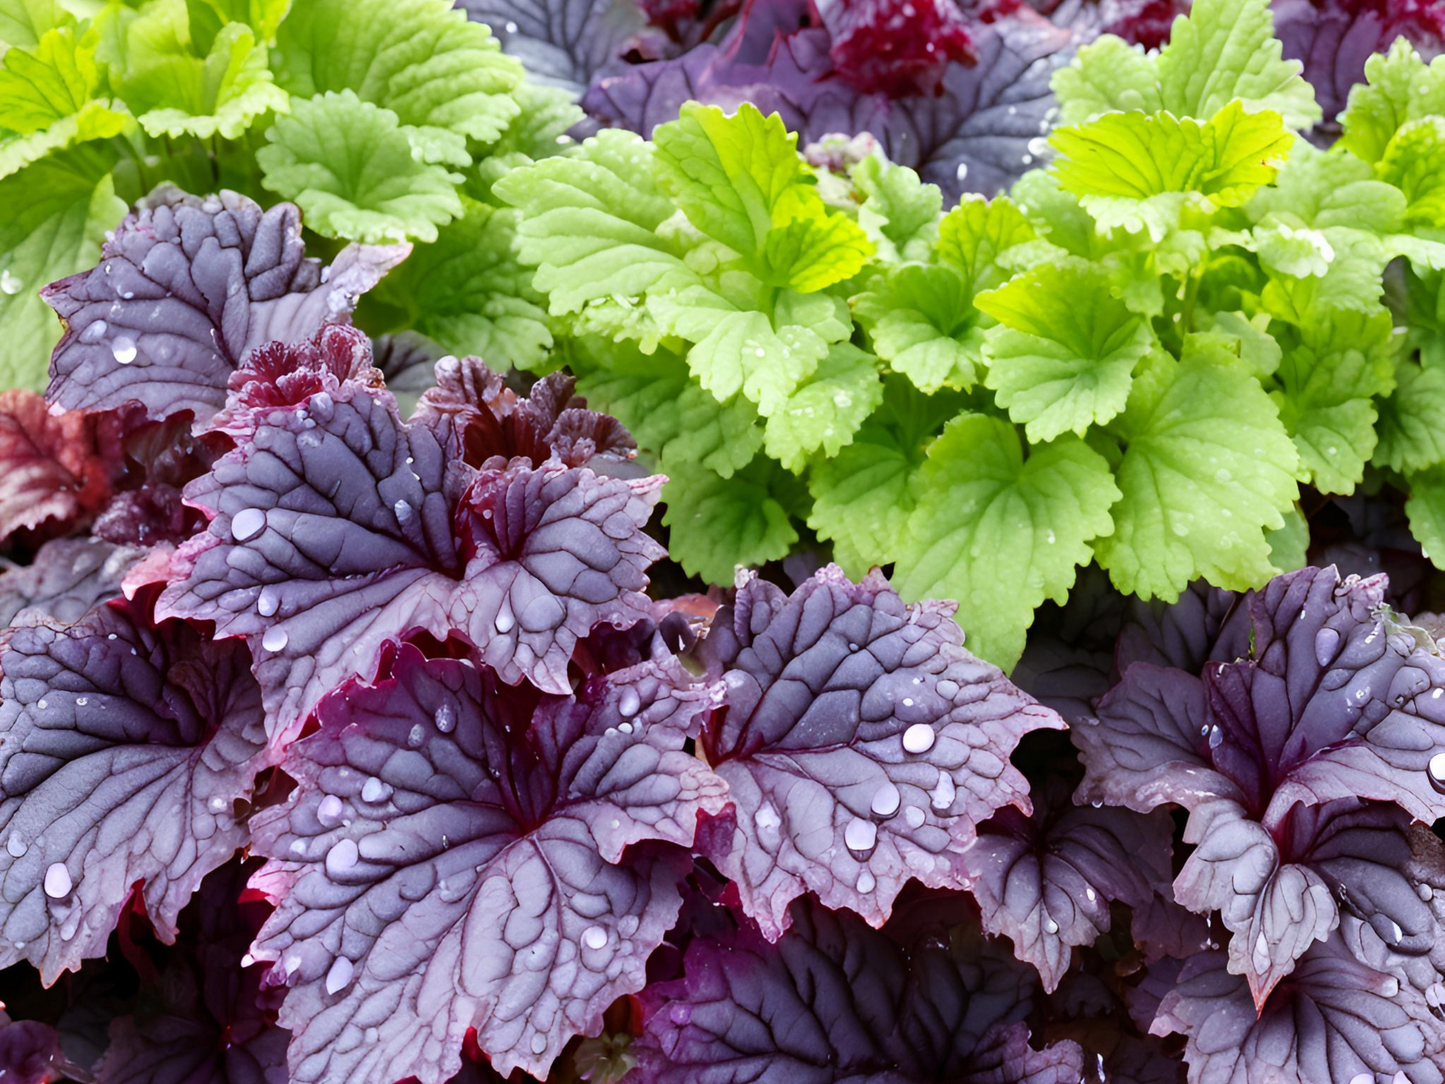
(67,577)
(29,1052)
(895,47)
(462,853)
(57,466)
(126,745)
(184,291)
(1333,1020)
(1046,881)
(861,743)
(835,1002)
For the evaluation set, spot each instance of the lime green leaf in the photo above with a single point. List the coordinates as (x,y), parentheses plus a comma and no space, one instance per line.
(540,129)
(1328,189)
(24,22)
(1249,339)
(862,498)
(59,210)
(922,322)
(716,524)
(1289,545)
(1425,315)
(590,222)
(670,415)
(1064,355)
(1207,469)
(48,99)
(1108,75)
(262,16)
(1412,420)
(348,165)
(998,533)
(740,181)
(1352,280)
(1425,510)
(1399,88)
(1226,49)
(1300,253)
(421,59)
(899,213)
(173,84)
(1140,170)
(826,409)
(468,292)
(975,235)
(1414,162)
(1332,369)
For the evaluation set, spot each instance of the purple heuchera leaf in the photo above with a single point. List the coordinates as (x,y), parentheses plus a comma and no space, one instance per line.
(1333,1020)
(125,746)
(29,1052)
(1268,754)
(337,528)
(1046,881)
(464,853)
(67,577)
(860,741)
(562,42)
(835,1002)
(184,291)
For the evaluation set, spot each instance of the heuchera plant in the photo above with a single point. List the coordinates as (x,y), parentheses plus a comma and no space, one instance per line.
(357,726)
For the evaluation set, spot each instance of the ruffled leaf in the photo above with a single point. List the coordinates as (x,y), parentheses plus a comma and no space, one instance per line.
(53,467)
(66,578)
(561,42)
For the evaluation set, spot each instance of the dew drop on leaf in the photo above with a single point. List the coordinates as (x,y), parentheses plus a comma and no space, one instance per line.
(123,348)
(57,881)
(341,857)
(1436,771)
(274,639)
(339,977)
(886,800)
(594,937)
(16,846)
(247,524)
(628,703)
(943,794)
(918,738)
(860,836)
(866,881)
(329,811)
(446,718)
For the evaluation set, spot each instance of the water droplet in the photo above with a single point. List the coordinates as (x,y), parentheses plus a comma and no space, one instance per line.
(766,818)
(1396,934)
(298,846)
(943,794)
(1091,894)
(218,805)
(860,836)
(539,1043)
(961,173)
(914,816)
(594,937)
(342,856)
(886,800)
(374,790)
(1327,641)
(94,331)
(505,620)
(123,347)
(414,738)
(1216,737)
(81,701)
(446,719)
(57,881)
(1050,926)
(42,704)
(275,638)
(908,701)
(9,283)
(919,738)
(16,846)
(267,602)
(247,524)
(339,977)
(628,703)
(402,510)
(1261,952)
(866,881)
(330,810)
(1437,772)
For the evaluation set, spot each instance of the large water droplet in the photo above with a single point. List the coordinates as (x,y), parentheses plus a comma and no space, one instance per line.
(886,800)
(505,620)
(247,524)
(594,937)
(10,283)
(1437,772)
(16,846)
(374,790)
(866,881)
(919,738)
(1050,926)
(1327,642)
(766,818)
(57,881)
(342,856)
(943,794)
(274,639)
(339,977)
(628,703)
(123,348)
(860,836)
(539,1043)
(267,602)
(446,719)
(330,810)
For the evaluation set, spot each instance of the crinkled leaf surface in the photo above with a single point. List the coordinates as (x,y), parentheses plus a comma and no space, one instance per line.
(462,854)
(53,466)
(562,42)
(184,291)
(125,746)
(716,524)
(861,744)
(66,578)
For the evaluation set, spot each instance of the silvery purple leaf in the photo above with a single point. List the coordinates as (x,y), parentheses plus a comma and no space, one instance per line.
(460,853)
(125,746)
(836,1002)
(1333,1020)
(861,743)
(1204,624)
(66,578)
(562,42)
(184,291)
(1046,881)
